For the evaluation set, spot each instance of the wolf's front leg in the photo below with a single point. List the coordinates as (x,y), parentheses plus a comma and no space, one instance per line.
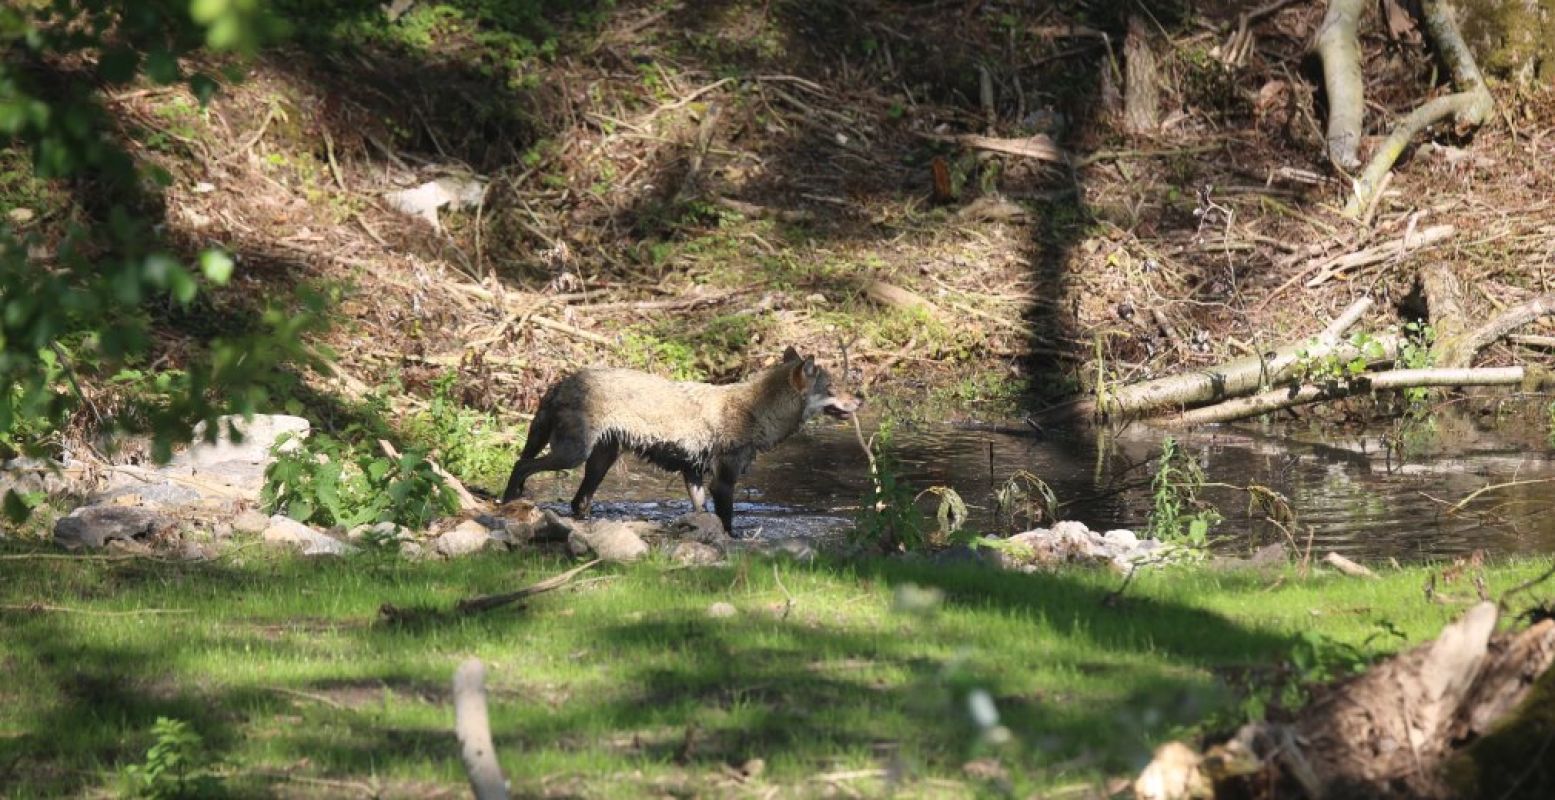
(725,473)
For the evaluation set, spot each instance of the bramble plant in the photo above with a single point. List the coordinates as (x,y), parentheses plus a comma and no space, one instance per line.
(888,516)
(172,768)
(1177,516)
(326,482)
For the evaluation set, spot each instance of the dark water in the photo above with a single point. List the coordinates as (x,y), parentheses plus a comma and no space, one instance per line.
(1350,491)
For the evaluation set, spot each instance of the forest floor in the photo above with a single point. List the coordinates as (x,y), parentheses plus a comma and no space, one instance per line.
(827,679)
(690,187)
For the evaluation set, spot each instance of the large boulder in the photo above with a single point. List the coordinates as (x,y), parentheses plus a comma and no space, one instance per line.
(95,526)
(250,445)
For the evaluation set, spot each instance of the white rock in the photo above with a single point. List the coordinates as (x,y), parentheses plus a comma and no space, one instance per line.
(721,610)
(467,537)
(1121,537)
(259,435)
(287,532)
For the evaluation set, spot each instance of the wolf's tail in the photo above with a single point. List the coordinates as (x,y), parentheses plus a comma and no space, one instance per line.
(540,429)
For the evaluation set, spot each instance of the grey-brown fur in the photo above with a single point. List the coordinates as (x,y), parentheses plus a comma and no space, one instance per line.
(698,430)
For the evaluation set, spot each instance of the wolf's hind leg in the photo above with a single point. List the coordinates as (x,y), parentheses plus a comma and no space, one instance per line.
(599,463)
(568,450)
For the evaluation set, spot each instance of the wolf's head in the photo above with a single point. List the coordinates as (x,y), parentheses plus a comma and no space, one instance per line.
(814,384)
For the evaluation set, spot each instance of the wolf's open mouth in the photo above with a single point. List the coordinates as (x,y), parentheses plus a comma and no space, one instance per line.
(840,409)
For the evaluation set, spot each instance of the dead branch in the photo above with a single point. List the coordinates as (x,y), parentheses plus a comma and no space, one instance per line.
(1347,566)
(474,731)
(475,605)
(1469,106)
(1398,248)
(1339,48)
(1230,379)
(1305,394)
(1471,343)
(1039,147)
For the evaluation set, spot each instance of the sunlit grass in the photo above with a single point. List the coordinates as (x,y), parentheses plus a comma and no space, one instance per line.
(624,684)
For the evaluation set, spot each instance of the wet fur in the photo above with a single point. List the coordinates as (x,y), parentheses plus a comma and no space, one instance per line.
(706,433)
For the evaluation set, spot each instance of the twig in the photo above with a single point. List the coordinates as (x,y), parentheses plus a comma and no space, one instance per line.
(1468,498)
(475,605)
(40,607)
(317,698)
(1347,566)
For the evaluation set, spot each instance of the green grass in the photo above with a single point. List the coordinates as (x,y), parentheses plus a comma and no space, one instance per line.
(282,668)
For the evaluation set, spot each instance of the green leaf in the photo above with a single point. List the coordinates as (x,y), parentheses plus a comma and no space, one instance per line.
(16,509)
(118,65)
(162,66)
(217,266)
(300,510)
(204,87)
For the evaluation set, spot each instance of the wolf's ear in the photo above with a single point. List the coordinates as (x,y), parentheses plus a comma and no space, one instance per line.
(790,354)
(800,375)
(809,367)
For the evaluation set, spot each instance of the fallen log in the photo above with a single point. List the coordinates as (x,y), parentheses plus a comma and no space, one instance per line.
(1230,379)
(1304,394)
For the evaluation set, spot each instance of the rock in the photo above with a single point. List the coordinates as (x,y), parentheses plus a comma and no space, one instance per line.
(610,540)
(194,551)
(424,200)
(554,528)
(258,436)
(95,526)
(699,526)
(1121,537)
(284,531)
(412,551)
(381,533)
(721,610)
(221,531)
(28,475)
(162,494)
(1071,541)
(467,537)
(250,522)
(697,554)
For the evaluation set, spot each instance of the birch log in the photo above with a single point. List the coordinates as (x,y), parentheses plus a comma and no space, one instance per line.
(474,731)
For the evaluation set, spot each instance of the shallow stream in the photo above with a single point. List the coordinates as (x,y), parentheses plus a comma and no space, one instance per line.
(1351,492)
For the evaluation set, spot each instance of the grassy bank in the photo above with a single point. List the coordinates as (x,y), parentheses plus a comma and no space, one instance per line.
(624,684)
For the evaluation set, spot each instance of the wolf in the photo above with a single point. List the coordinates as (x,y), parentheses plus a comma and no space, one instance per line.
(707,433)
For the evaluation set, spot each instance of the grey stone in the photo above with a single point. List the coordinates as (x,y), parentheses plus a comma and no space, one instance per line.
(1121,537)
(95,526)
(165,494)
(699,526)
(554,528)
(250,522)
(467,537)
(610,540)
(286,532)
(721,610)
(380,532)
(698,554)
(221,531)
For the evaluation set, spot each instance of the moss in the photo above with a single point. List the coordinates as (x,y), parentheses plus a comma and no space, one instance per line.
(1512,37)
(1517,759)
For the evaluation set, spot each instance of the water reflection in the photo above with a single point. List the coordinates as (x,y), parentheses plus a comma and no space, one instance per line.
(1356,493)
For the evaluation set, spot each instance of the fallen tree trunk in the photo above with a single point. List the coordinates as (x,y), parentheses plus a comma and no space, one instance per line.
(1230,379)
(1276,399)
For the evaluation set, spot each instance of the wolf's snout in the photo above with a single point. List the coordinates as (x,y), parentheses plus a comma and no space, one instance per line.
(842,406)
